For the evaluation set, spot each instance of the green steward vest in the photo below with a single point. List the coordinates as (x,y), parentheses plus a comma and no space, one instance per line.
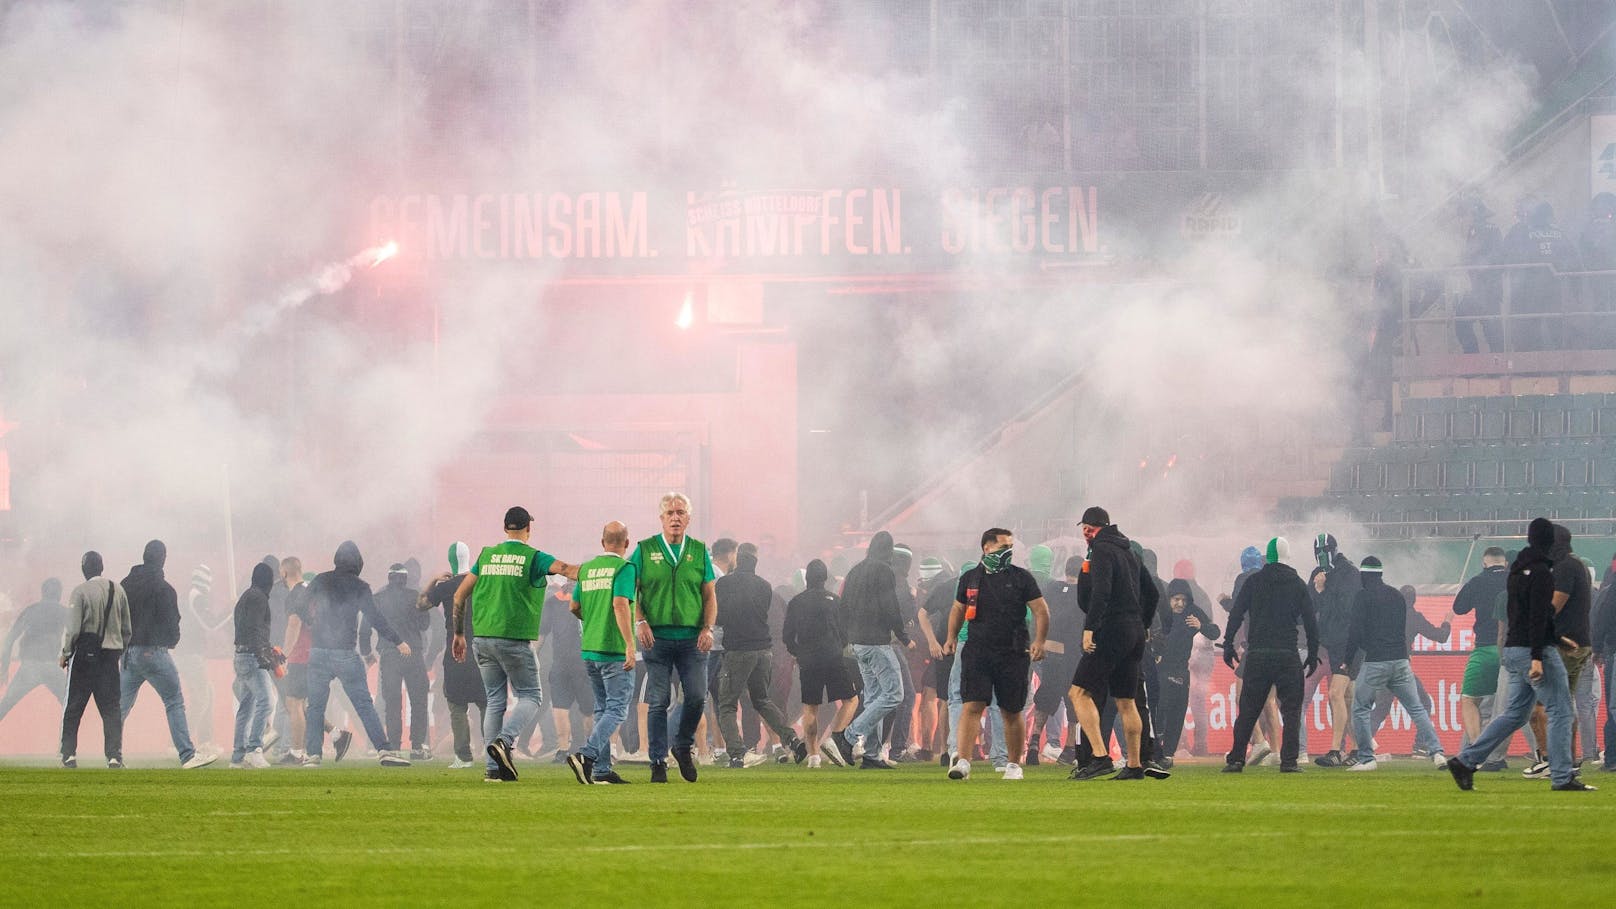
(670,595)
(593,594)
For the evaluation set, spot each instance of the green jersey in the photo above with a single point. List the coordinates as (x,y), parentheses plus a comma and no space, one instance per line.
(600,581)
(510,591)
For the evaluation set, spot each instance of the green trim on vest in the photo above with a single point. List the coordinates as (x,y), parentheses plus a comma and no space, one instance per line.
(670,595)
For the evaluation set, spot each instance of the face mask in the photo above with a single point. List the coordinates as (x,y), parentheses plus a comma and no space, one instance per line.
(1321,551)
(996,561)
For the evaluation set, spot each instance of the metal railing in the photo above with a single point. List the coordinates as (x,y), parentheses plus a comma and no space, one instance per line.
(1579,314)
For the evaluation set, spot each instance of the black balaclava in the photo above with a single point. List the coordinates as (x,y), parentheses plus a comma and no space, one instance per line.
(263,577)
(51,591)
(1540,535)
(347,560)
(155,555)
(397,575)
(880,547)
(91,565)
(816,575)
(412,571)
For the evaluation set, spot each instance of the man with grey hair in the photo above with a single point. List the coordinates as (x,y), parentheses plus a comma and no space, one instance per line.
(678,608)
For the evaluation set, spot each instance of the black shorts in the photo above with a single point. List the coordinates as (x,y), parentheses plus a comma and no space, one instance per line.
(569,688)
(1054,682)
(296,683)
(937,673)
(1113,667)
(825,679)
(995,673)
(1341,662)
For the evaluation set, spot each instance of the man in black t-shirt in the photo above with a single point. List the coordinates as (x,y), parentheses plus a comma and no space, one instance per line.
(1481,595)
(996,662)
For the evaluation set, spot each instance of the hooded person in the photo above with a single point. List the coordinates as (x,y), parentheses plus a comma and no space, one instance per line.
(93,639)
(1380,618)
(154,615)
(814,636)
(1531,657)
(1187,624)
(872,620)
(1573,623)
(1342,581)
(253,644)
(337,598)
(1271,604)
(400,674)
(37,633)
(461,683)
(743,613)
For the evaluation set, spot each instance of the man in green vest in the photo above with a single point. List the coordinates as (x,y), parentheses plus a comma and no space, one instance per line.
(506,589)
(604,602)
(678,607)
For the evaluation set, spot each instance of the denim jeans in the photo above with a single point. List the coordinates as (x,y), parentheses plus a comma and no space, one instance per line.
(1394,678)
(661,662)
(505,662)
(613,685)
(883,691)
(345,667)
(252,706)
(153,664)
(33,674)
(992,724)
(1555,693)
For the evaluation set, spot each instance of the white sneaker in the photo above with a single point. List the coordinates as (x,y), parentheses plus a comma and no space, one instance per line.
(199,760)
(960,771)
(813,762)
(1365,765)
(310,762)
(271,737)
(1258,755)
(392,759)
(1012,771)
(459,764)
(1439,760)
(1000,768)
(1050,753)
(256,760)
(858,747)
(752,759)
(1538,769)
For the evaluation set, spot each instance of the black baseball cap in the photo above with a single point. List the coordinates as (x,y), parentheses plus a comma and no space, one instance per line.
(517,518)
(1095,516)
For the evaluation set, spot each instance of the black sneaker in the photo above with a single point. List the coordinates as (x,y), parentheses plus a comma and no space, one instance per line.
(70,763)
(339,745)
(1068,756)
(924,755)
(659,771)
(1574,785)
(1156,771)
(1289,768)
(874,763)
(1031,759)
(1094,770)
(492,776)
(610,778)
(1166,762)
(843,746)
(1234,767)
(943,759)
(736,763)
(114,763)
(560,757)
(580,767)
(1462,774)
(1331,760)
(1130,773)
(799,751)
(1493,767)
(687,764)
(501,754)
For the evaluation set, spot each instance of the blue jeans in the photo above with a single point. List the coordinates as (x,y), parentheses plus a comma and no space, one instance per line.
(883,692)
(663,660)
(1555,693)
(507,662)
(344,666)
(252,706)
(1395,677)
(998,753)
(613,686)
(153,664)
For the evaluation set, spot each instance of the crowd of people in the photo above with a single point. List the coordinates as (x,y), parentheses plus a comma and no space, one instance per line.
(891,660)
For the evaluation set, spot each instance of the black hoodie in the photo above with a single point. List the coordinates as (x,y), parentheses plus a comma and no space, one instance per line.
(1115,587)
(1531,592)
(743,606)
(1180,638)
(1380,621)
(1274,599)
(1480,595)
(337,597)
(1341,586)
(154,607)
(813,627)
(870,597)
(1570,578)
(396,603)
(252,610)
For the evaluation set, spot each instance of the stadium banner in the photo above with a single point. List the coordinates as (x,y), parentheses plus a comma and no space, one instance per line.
(854,227)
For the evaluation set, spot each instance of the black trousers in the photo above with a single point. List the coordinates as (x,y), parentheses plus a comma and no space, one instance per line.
(1175,699)
(407,672)
(1086,751)
(99,679)
(1263,671)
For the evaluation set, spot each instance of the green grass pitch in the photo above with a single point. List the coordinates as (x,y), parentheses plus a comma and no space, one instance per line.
(787,836)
